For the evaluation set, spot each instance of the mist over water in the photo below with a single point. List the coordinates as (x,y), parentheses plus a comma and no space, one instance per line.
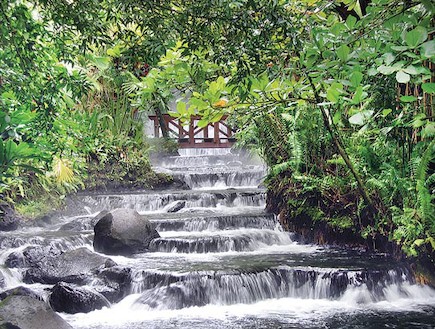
(222,262)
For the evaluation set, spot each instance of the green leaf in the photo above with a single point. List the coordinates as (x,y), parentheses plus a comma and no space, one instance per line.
(217,86)
(217,117)
(431,240)
(181,108)
(202,123)
(2,153)
(388,58)
(114,51)
(350,22)
(428,49)
(358,95)
(428,87)
(419,242)
(336,119)
(408,99)
(334,91)
(357,9)
(360,118)
(416,36)
(402,77)
(399,48)
(386,112)
(387,70)
(343,53)
(429,130)
(356,78)
(411,70)
(429,5)
(337,28)
(199,103)
(100,62)
(372,72)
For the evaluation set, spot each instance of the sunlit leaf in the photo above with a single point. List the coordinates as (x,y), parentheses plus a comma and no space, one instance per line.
(181,107)
(411,70)
(386,112)
(343,53)
(350,22)
(402,77)
(428,87)
(387,70)
(333,92)
(62,171)
(356,78)
(202,123)
(428,49)
(416,36)
(360,118)
(408,99)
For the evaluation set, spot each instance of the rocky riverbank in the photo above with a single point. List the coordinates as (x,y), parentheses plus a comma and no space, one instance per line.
(316,219)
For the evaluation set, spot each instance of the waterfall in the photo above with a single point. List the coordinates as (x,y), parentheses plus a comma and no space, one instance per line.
(221,261)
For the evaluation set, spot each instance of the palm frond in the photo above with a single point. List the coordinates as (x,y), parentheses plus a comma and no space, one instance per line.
(62,170)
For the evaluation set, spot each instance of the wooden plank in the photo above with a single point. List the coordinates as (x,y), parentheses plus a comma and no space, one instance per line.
(188,138)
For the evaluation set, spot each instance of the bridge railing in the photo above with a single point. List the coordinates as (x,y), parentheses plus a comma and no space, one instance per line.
(189,135)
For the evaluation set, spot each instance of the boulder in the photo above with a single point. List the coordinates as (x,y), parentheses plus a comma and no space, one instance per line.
(24,312)
(31,256)
(9,219)
(83,223)
(177,206)
(71,299)
(123,232)
(20,291)
(75,266)
(114,283)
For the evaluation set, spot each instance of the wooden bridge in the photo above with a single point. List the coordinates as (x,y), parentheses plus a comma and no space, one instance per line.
(189,135)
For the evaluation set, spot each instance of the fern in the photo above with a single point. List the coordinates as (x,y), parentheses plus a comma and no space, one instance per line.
(424,198)
(281,168)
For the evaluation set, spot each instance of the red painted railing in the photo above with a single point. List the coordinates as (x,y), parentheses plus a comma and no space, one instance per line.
(189,135)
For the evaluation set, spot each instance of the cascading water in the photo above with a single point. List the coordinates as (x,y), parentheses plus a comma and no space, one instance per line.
(222,262)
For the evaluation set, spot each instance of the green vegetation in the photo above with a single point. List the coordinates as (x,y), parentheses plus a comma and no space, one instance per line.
(336,96)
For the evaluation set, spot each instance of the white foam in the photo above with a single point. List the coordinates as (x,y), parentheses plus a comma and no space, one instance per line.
(292,310)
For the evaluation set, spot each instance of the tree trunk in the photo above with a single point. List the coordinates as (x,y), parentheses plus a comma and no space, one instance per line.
(338,143)
(163,127)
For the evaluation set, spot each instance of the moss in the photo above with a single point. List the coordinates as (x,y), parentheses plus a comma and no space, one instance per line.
(123,175)
(39,203)
(297,208)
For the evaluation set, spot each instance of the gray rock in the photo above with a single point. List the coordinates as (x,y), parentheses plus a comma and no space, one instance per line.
(123,232)
(83,223)
(71,299)
(177,206)
(31,256)
(2,280)
(75,266)
(25,312)
(20,291)
(114,283)
(9,219)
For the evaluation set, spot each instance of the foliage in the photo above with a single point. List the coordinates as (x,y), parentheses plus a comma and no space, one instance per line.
(337,96)
(62,105)
(326,106)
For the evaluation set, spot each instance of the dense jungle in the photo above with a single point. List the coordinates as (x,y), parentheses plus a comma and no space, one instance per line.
(335,97)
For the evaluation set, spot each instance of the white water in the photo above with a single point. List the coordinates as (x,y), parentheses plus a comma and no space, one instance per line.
(290,311)
(221,262)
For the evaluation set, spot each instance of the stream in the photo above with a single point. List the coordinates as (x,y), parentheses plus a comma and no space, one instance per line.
(223,262)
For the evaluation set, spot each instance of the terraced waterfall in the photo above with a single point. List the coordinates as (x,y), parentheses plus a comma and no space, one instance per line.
(222,262)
